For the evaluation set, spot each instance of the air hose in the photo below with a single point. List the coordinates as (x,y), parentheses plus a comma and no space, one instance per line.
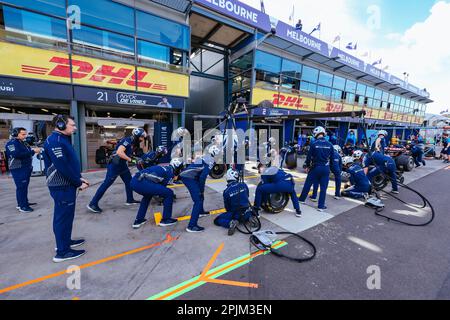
(264,240)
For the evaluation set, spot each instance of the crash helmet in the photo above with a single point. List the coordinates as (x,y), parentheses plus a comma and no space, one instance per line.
(357,155)
(214,151)
(338,149)
(319,130)
(176,163)
(346,161)
(162,150)
(232,175)
(138,133)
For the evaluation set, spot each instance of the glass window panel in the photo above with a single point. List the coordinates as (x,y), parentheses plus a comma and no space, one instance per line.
(325,79)
(53,7)
(370,92)
(323,92)
(104,40)
(308,87)
(339,83)
(310,74)
(292,69)
(268,62)
(163,31)
(361,89)
(350,86)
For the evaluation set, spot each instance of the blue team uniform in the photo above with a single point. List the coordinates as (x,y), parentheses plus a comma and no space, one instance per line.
(236,200)
(360,183)
(336,169)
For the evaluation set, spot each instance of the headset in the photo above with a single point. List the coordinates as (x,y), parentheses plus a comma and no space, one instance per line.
(61,123)
(15,132)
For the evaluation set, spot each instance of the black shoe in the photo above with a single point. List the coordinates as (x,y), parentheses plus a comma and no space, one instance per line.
(205,214)
(32,203)
(139,223)
(232,228)
(195,229)
(168,222)
(26,209)
(94,208)
(76,243)
(424,163)
(132,203)
(298,213)
(417,165)
(72,254)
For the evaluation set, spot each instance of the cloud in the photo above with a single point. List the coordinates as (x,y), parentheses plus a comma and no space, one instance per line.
(422,50)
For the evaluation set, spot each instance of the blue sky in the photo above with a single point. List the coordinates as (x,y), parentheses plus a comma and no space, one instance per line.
(408,38)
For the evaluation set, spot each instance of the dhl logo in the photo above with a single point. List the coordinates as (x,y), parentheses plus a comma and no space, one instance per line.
(334,107)
(103,74)
(289,101)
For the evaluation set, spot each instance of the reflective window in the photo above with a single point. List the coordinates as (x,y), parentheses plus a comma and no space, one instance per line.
(103,39)
(154,52)
(339,83)
(361,89)
(310,74)
(106,14)
(350,86)
(350,98)
(308,87)
(268,62)
(397,100)
(385,96)
(291,69)
(336,95)
(290,83)
(53,7)
(378,94)
(325,79)
(161,30)
(370,92)
(32,24)
(325,92)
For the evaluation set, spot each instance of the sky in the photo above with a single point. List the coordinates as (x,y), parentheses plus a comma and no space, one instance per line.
(409,36)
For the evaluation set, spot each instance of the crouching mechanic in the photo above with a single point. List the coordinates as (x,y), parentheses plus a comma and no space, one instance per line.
(118,167)
(274,180)
(194,178)
(360,184)
(384,165)
(236,200)
(152,182)
(336,169)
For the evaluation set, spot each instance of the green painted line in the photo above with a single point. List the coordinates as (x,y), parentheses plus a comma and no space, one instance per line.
(224,266)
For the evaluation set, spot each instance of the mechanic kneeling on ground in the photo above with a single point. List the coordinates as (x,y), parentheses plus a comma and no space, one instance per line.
(360,184)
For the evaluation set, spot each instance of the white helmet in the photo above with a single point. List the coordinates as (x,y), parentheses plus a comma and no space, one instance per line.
(272,140)
(232,175)
(176,163)
(382,133)
(319,130)
(181,131)
(358,154)
(347,161)
(338,149)
(214,151)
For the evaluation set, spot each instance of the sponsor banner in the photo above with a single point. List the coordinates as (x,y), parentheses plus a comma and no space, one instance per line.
(100,73)
(372,113)
(240,12)
(116,97)
(26,62)
(302,39)
(381,114)
(283,100)
(14,87)
(55,66)
(328,106)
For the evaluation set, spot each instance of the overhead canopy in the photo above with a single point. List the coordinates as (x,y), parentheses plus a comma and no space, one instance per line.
(178,5)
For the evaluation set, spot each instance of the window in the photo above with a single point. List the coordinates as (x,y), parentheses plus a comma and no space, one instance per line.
(291,69)
(385,96)
(104,40)
(162,31)
(33,24)
(53,7)
(325,79)
(350,86)
(397,100)
(361,100)
(370,92)
(106,14)
(324,92)
(378,94)
(339,83)
(336,95)
(270,78)
(377,104)
(310,74)
(268,62)
(308,87)
(290,83)
(153,52)
(350,98)
(241,64)
(361,89)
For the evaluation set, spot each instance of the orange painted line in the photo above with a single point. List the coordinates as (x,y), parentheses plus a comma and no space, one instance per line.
(234,283)
(211,261)
(189,284)
(168,239)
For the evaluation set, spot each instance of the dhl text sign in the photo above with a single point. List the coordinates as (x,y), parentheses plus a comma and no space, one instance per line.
(283,100)
(55,66)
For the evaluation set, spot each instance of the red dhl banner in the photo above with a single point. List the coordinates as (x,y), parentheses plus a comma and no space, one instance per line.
(55,66)
(283,100)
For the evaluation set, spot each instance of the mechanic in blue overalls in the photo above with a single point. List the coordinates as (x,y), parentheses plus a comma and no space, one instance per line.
(63,173)
(194,178)
(360,184)
(152,158)
(384,164)
(417,153)
(380,143)
(274,180)
(118,167)
(237,203)
(20,158)
(317,165)
(152,182)
(336,169)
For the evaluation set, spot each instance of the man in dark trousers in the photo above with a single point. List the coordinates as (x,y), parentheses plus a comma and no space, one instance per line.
(63,173)
(20,157)
(118,167)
